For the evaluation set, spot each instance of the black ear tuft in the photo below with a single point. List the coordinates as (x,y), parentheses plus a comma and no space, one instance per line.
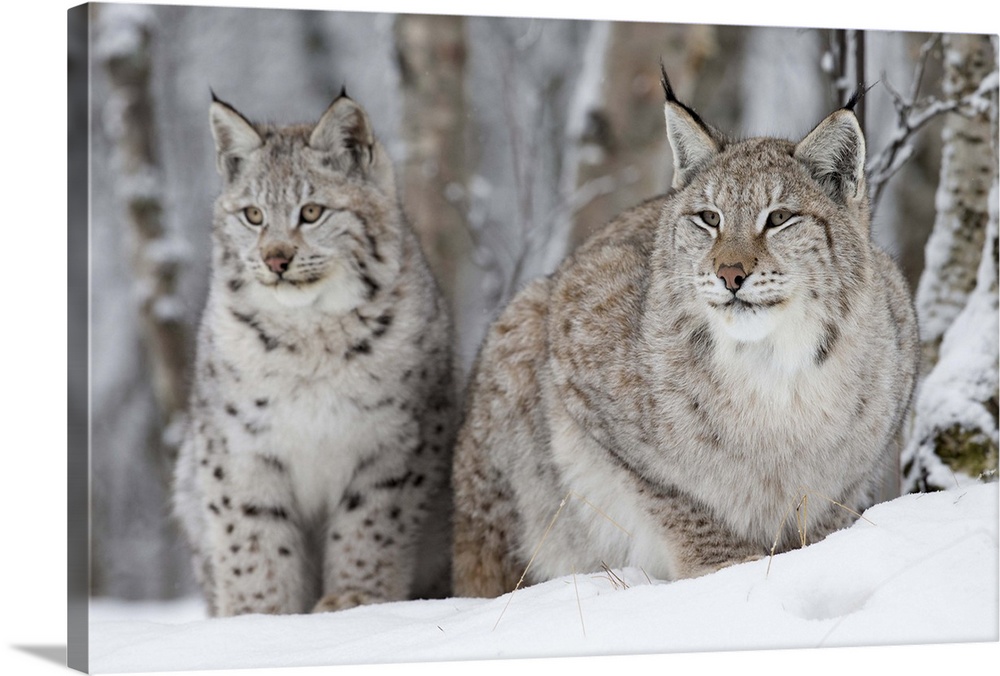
(343,92)
(235,137)
(692,142)
(668,90)
(859,93)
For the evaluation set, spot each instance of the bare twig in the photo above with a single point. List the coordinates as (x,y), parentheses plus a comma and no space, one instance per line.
(912,114)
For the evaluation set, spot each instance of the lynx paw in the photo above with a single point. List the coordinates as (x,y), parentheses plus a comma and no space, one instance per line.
(344,600)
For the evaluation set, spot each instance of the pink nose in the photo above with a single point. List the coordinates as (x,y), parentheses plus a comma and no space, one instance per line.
(279,262)
(733,276)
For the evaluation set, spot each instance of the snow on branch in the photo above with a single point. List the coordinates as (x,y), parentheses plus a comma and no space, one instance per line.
(956,438)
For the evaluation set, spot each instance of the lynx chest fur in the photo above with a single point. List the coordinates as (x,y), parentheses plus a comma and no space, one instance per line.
(314,473)
(710,362)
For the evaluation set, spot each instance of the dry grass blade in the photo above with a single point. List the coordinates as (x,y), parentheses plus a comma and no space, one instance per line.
(545,535)
(845,508)
(777,535)
(801,507)
(802,519)
(600,511)
(579,606)
(616,581)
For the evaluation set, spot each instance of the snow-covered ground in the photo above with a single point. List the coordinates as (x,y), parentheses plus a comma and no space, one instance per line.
(920,569)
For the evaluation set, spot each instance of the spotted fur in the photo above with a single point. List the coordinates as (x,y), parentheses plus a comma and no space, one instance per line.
(667,397)
(315,469)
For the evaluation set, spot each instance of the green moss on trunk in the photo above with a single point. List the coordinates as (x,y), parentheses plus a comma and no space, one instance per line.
(970,452)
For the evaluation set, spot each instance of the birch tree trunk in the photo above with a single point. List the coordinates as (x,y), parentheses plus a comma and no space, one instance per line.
(968,165)
(955,435)
(622,155)
(522,76)
(431,52)
(157,253)
(132,455)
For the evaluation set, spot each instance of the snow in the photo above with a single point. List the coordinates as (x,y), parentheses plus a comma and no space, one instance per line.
(965,377)
(919,569)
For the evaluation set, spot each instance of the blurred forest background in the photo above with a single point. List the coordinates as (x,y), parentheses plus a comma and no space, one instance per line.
(513,140)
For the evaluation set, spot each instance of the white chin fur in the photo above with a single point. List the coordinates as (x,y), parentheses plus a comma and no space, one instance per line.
(783,337)
(746,325)
(331,295)
(289,295)
(292,296)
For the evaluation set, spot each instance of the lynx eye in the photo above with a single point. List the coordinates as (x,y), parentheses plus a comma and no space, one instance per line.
(310,213)
(710,218)
(253,215)
(778,218)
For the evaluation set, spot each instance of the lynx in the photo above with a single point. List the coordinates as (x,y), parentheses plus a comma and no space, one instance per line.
(710,361)
(321,418)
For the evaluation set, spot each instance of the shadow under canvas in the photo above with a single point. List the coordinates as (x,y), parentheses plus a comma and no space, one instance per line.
(50,653)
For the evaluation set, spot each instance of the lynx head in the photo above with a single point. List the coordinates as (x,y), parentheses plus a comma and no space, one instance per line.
(768,237)
(307,214)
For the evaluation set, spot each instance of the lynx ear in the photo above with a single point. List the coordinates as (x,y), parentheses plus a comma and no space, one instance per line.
(235,138)
(346,133)
(691,141)
(834,153)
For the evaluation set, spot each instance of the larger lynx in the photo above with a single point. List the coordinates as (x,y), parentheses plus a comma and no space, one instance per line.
(692,372)
(321,411)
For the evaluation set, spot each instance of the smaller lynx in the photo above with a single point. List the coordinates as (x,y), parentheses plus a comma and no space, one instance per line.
(691,372)
(317,459)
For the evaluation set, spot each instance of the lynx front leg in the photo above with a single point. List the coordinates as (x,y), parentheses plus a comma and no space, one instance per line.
(485,521)
(257,553)
(370,540)
(699,543)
